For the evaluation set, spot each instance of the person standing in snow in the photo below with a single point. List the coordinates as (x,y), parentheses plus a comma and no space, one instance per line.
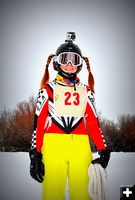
(65,116)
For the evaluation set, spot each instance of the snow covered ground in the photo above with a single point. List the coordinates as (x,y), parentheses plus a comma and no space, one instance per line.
(16,183)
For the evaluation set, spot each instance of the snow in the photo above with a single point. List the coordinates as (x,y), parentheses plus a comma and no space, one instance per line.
(16,183)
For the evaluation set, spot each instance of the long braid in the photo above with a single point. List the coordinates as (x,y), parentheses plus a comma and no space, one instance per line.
(90,76)
(45,78)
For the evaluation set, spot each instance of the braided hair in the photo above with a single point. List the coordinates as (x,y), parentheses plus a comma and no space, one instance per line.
(90,76)
(45,78)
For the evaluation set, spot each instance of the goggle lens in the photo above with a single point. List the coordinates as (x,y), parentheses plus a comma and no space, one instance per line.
(65,58)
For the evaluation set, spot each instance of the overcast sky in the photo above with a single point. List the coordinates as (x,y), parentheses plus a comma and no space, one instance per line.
(31,30)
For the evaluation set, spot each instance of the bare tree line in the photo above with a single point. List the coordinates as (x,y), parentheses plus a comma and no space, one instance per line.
(16,128)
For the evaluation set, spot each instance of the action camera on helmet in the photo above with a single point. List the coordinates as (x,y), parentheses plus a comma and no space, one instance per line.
(70,36)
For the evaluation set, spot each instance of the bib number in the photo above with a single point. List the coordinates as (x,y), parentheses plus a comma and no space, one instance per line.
(76,100)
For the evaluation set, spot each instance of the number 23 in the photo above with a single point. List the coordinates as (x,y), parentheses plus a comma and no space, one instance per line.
(68,96)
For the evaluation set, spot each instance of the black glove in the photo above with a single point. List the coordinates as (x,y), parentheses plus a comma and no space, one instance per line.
(36,165)
(104,158)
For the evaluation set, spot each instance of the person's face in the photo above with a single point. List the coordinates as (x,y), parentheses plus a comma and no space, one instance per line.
(69,68)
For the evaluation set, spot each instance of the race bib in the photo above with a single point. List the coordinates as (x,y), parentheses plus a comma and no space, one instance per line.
(68,102)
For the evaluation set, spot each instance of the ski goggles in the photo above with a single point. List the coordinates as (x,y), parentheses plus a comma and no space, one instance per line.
(69,57)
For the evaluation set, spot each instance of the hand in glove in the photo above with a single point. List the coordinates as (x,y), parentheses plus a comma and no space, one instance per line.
(104,158)
(36,165)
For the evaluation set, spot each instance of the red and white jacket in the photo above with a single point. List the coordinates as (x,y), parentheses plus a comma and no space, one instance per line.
(47,121)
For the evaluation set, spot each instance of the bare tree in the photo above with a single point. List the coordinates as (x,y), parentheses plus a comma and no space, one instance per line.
(4,130)
(126,125)
(16,127)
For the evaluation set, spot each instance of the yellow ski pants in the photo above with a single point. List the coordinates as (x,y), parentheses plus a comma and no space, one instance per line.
(66,155)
